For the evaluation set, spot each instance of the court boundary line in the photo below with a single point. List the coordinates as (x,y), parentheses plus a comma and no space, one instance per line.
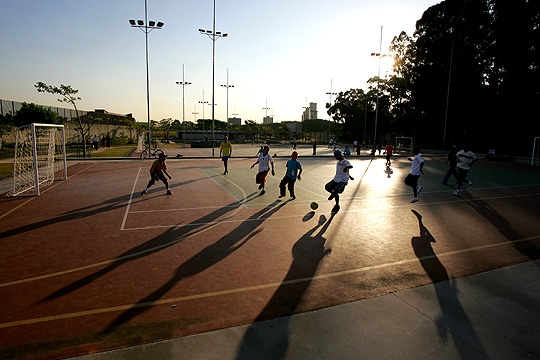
(255,287)
(351,200)
(182,238)
(130,198)
(227,191)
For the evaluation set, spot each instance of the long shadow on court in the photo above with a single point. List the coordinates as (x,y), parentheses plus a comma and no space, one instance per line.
(525,247)
(163,241)
(80,213)
(204,259)
(262,342)
(453,319)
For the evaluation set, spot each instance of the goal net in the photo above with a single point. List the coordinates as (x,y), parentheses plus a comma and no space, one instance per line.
(40,158)
(536,152)
(404,144)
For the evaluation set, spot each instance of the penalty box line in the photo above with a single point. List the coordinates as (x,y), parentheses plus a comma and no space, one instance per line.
(242,201)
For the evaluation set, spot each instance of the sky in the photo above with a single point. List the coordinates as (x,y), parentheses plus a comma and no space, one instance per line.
(281,55)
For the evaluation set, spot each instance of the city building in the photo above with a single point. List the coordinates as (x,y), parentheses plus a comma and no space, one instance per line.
(235,121)
(310,113)
(268,120)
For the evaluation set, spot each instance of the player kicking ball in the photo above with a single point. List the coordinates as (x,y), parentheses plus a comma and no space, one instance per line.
(158,172)
(340,180)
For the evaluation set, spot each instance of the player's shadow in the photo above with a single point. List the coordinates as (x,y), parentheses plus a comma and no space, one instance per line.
(81,213)
(453,319)
(167,239)
(204,259)
(525,247)
(263,342)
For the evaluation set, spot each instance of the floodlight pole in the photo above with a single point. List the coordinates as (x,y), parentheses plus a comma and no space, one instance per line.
(227,86)
(183,83)
(329,116)
(147,28)
(213,35)
(378,89)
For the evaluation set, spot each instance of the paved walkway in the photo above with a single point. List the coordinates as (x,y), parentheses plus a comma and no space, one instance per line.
(491,315)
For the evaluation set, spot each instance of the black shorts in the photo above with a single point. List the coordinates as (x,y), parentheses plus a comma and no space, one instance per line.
(336,187)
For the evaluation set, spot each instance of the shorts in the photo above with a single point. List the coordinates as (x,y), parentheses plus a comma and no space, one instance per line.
(333,186)
(225,158)
(412,180)
(260,178)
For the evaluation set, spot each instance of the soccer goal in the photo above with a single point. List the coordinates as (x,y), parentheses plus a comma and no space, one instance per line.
(40,158)
(404,143)
(536,151)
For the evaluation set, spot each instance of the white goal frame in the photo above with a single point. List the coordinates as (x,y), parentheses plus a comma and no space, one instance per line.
(535,151)
(40,158)
(401,138)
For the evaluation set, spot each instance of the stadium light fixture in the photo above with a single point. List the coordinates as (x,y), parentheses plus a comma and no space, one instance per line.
(227,86)
(147,27)
(183,84)
(213,35)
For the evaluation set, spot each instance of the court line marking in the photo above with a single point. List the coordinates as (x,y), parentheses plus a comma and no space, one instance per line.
(42,192)
(129,201)
(455,200)
(221,186)
(254,287)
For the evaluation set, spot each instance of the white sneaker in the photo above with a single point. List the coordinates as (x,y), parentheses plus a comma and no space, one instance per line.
(418,189)
(456,192)
(415,199)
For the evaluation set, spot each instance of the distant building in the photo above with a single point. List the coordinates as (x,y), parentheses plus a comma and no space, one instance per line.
(294,127)
(310,113)
(268,120)
(235,121)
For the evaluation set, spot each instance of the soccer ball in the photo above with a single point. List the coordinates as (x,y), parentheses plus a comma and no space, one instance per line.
(314,205)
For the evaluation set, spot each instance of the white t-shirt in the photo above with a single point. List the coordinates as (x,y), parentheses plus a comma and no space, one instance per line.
(415,166)
(465,159)
(265,161)
(341,175)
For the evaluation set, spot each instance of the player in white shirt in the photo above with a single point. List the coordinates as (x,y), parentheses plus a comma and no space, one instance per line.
(340,180)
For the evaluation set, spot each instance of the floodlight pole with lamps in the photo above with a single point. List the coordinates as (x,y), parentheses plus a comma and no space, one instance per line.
(213,35)
(329,116)
(266,108)
(147,27)
(203,102)
(227,86)
(378,88)
(183,83)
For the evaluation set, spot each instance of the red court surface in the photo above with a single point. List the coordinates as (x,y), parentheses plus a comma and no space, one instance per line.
(91,265)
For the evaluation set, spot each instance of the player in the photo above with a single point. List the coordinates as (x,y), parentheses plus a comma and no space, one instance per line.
(294,170)
(158,170)
(417,167)
(340,180)
(225,152)
(389,149)
(265,161)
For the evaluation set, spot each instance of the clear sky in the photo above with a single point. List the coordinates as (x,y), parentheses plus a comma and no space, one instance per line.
(281,54)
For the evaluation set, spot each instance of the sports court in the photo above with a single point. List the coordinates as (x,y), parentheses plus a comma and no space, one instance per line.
(91,265)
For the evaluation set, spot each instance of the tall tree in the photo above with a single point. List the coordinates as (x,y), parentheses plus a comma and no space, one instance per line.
(69,95)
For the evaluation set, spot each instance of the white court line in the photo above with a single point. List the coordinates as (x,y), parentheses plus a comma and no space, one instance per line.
(454,200)
(129,201)
(255,287)
(234,184)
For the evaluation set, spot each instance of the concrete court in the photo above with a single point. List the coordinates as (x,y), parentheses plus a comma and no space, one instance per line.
(491,315)
(444,318)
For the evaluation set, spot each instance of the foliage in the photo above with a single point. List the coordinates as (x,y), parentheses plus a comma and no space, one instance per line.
(69,95)
(32,113)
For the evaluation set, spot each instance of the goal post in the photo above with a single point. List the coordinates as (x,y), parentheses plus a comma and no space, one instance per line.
(536,151)
(40,158)
(404,143)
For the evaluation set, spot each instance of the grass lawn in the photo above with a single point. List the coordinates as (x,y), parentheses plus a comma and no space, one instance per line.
(117,151)
(6,170)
